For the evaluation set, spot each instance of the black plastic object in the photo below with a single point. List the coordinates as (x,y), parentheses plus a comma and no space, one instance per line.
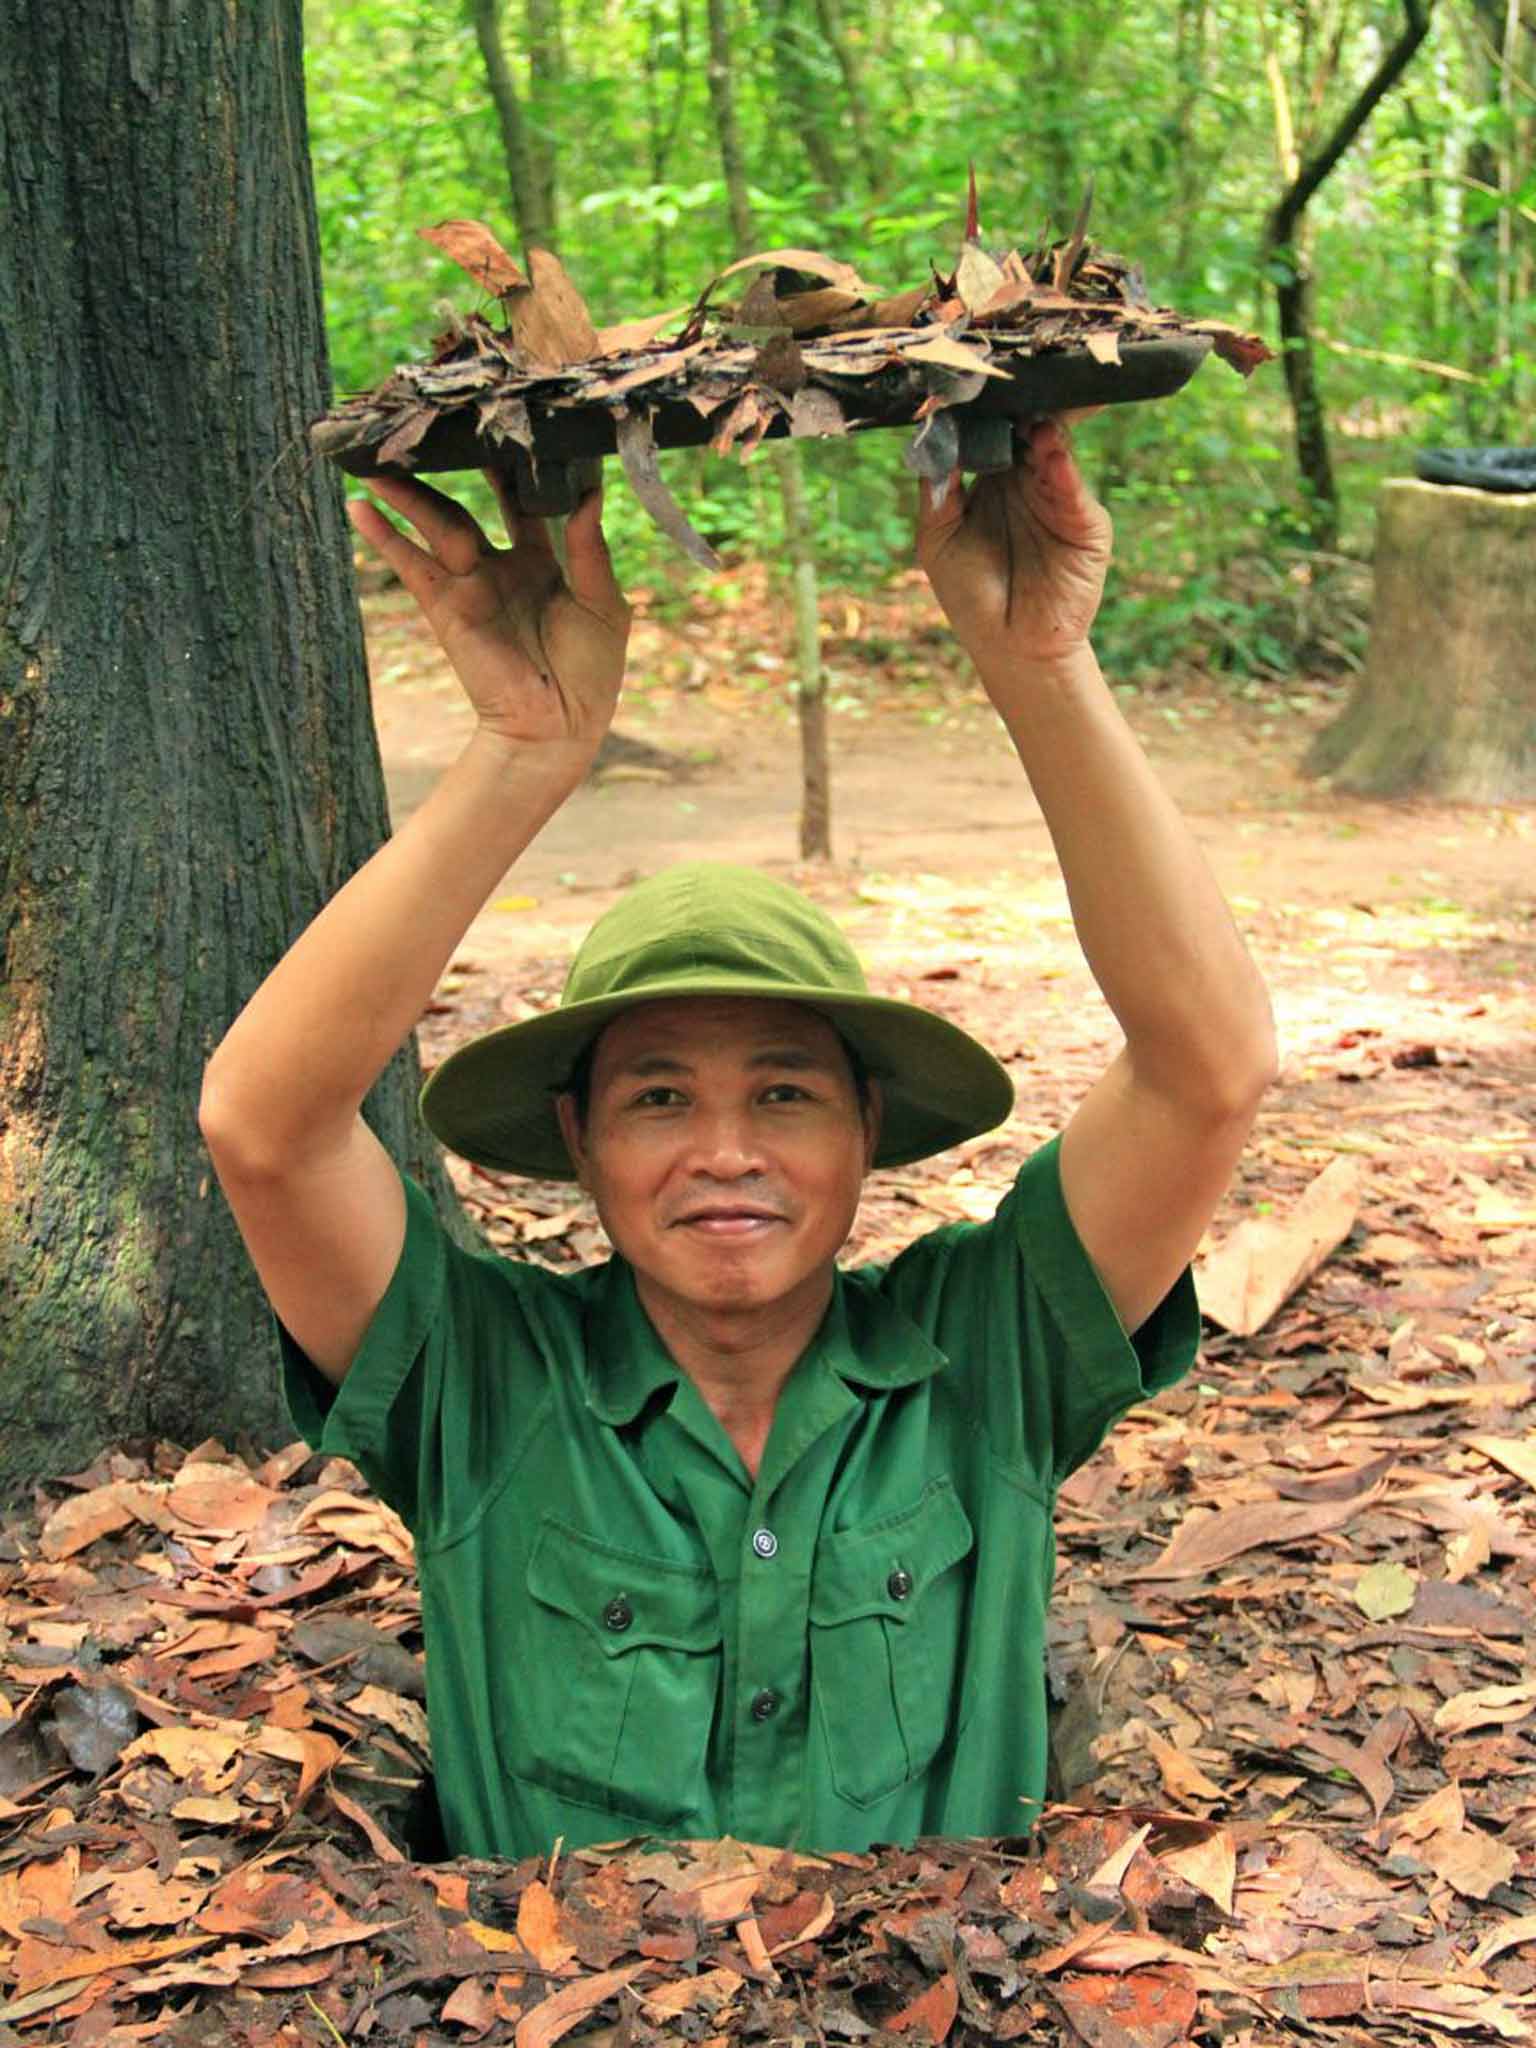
(1480,469)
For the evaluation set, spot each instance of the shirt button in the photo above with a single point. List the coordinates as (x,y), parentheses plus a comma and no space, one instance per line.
(618,1615)
(899,1584)
(765,1543)
(765,1704)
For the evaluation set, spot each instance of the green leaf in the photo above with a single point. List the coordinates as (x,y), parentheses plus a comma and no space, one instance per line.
(1385,1590)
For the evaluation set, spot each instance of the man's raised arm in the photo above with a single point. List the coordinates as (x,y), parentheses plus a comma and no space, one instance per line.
(541,657)
(1018,564)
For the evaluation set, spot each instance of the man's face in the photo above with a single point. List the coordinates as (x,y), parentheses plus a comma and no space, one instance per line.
(725,1147)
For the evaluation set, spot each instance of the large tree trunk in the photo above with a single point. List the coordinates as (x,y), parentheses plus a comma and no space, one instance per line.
(1446,703)
(189,766)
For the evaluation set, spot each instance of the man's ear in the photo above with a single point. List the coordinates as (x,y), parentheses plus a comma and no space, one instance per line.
(874,1115)
(571,1131)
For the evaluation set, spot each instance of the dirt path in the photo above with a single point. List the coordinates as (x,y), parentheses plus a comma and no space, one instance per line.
(927,786)
(1365,916)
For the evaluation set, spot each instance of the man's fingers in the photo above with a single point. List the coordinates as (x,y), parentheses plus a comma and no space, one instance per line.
(416,569)
(523,529)
(1046,485)
(449,531)
(588,565)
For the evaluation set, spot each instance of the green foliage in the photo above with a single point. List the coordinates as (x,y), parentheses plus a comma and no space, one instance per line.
(1418,257)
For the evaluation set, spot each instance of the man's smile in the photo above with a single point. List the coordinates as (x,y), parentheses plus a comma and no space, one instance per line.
(732,1220)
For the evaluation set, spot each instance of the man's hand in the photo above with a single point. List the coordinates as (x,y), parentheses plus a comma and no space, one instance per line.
(540,653)
(1018,561)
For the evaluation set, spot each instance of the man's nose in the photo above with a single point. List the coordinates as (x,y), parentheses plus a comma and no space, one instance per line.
(725,1144)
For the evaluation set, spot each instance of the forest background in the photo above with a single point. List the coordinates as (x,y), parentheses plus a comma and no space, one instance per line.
(1297,1598)
(596,129)
(178,583)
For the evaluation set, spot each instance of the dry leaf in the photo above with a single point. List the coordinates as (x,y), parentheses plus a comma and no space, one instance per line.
(471,245)
(554,2017)
(1265,1259)
(951,354)
(1515,1454)
(1210,1865)
(637,452)
(1487,1706)
(932,2012)
(1207,1538)
(632,334)
(538,1929)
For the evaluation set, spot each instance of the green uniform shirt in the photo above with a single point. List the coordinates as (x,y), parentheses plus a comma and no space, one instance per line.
(626,1634)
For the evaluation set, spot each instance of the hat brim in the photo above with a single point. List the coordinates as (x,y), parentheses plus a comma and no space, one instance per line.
(493,1101)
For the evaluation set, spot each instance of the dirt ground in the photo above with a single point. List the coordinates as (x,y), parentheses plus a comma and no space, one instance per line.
(925,783)
(1412,919)
(1398,940)
(1294,1737)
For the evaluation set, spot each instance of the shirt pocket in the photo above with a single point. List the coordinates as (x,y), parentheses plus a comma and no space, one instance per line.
(887,1614)
(614,1696)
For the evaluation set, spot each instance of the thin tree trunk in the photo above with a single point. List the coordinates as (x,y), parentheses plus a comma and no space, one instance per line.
(722,100)
(1293,306)
(662,132)
(810,685)
(534,226)
(1285,256)
(189,767)
(810,699)
(842,47)
(798,87)
(546,85)
(1190,177)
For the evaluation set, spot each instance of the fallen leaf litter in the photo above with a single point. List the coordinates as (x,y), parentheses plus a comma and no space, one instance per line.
(1296,1775)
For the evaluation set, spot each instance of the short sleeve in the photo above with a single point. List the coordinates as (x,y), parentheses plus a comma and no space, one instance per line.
(444,1378)
(1036,1348)
(1096,1370)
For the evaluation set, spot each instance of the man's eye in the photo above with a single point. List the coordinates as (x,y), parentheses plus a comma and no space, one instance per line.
(786,1091)
(659,1097)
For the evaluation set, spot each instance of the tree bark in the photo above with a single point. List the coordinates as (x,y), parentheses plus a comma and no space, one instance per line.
(190,766)
(662,130)
(722,100)
(810,698)
(534,226)
(801,91)
(810,683)
(1285,257)
(1446,702)
(842,46)
(546,85)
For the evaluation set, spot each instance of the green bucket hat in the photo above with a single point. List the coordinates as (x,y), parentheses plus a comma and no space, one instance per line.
(707,929)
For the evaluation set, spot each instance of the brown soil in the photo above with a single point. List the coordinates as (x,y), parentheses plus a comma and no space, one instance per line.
(926,786)
(1398,940)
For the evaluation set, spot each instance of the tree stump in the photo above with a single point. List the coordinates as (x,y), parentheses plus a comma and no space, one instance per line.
(1446,703)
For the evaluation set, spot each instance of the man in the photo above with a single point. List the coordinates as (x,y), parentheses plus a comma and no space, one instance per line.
(712,1538)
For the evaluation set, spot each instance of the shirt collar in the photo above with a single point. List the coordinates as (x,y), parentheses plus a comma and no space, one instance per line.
(625,1362)
(863,1338)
